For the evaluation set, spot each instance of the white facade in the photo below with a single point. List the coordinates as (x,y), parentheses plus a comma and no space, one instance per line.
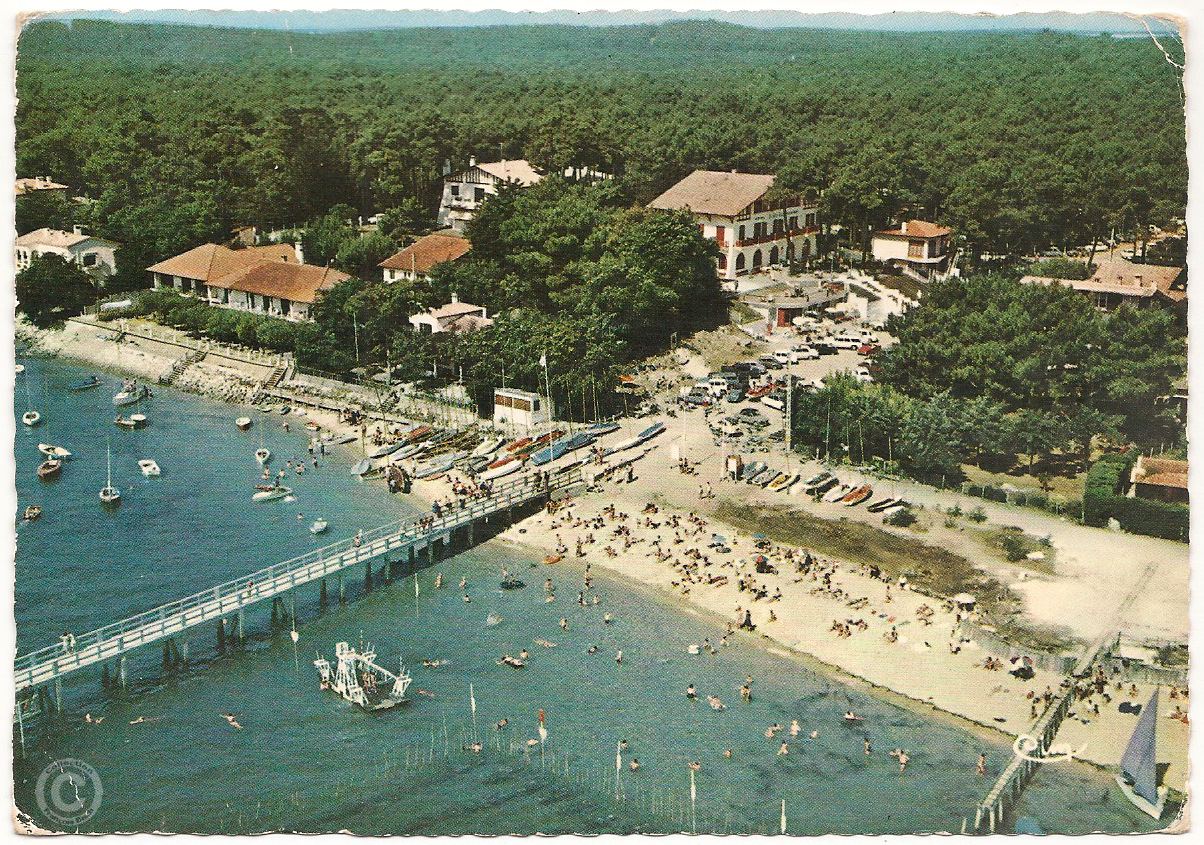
(95,256)
(519,409)
(464,193)
(753,241)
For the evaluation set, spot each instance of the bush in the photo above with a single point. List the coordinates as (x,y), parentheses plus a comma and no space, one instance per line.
(956,510)
(901,519)
(1013,547)
(1101,486)
(1156,519)
(977,515)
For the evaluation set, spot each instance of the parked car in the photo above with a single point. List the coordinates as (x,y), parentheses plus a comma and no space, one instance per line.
(862,374)
(804,352)
(695,401)
(846,342)
(869,349)
(736,394)
(769,362)
(773,402)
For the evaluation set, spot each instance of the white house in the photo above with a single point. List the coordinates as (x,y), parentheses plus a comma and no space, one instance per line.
(918,245)
(519,408)
(267,280)
(751,232)
(30,185)
(94,255)
(417,259)
(464,192)
(456,316)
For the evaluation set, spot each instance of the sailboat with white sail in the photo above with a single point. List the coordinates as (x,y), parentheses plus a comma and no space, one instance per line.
(110,495)
(1138,777)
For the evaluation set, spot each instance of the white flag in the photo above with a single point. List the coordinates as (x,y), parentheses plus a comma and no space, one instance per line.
(543,733)
(473,699)
(543,360)
(692,793)
(618,756)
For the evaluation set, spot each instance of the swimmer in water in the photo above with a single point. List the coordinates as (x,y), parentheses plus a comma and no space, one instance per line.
(232,719)
(903,758)
(784,749)
(592,649)
(467,600)
(93,721)
(795,730)
(619,656)
(634,765)
(695,767)
(524,654)
(463,582)
(981,766)
(727,753)
(501,724)
(605,617)
(813,735)
(691,693)
(564,623)
(868,749)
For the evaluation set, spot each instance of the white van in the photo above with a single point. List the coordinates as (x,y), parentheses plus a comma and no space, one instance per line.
(770,402)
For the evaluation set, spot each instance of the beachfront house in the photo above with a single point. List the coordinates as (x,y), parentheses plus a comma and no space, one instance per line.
(1116,282)
(464,192)
(752,231)
(917,246)
(519,409)
(95,256)
(419,258)
(267,280)
(456,316)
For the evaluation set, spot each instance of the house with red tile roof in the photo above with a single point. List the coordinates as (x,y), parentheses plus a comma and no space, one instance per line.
(1159,478)
(918,245)
(752,231)
(419,258)
(1115,282)
(266,280)
(456,316)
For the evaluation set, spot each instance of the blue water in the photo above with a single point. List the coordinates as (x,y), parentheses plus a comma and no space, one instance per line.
(306,761)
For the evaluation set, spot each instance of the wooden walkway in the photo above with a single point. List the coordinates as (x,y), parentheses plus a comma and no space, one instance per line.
(50,664)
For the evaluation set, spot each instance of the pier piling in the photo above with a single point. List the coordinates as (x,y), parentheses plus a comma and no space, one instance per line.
(322,599)
(342,590)
(121,671)
(221,636)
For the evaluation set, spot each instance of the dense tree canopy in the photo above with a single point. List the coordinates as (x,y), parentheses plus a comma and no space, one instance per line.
(1042,351)
(1017,140)
(51,289)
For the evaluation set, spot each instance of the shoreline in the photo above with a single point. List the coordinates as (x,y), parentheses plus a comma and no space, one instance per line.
(804,644)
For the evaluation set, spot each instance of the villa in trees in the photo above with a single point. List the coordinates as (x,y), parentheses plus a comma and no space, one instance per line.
(95,256)
(1117,282)
(752,231)
(917,245)
(456,316)
(417,259)
(266,280)
(464,192)
(41,185)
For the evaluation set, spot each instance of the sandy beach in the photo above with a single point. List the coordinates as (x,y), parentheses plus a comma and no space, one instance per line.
(658,529)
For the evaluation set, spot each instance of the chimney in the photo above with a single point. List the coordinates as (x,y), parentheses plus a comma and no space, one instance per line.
(447,167)
(454,298)
(300,253)
(472,161)
(79,231)
(903,227)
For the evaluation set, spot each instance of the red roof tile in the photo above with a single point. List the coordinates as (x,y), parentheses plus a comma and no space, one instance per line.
(426,252)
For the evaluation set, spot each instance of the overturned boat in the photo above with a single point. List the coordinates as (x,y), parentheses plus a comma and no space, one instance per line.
(358,678)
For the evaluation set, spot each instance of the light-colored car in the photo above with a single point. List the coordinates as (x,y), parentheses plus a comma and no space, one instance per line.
(846,342)
(804,352)
(771,402)
(862,374)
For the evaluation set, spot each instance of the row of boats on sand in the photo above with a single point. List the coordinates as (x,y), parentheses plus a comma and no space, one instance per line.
(825,486)
(436,452)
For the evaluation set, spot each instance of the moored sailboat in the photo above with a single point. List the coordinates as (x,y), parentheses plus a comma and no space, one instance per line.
(1138,776)
(110,495)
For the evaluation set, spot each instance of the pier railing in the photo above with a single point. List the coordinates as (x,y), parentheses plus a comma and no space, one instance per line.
(52,662)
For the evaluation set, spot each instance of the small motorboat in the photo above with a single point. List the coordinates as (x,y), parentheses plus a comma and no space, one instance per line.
(363,467)
(512,584)
(131,392)
(49,469)
(857,495)
(267,408)
(32,512)
(502,471)
(386,449)
(131,422)
(318,526)
(149,467)
(262,455)
(882,504)
(815,483)
(313,426)
(20,369)
(838,492)
(284,409)
(552,559)
(276,492)
(243,423)
(84,384)
(31,418)
(780,486)
(54,451)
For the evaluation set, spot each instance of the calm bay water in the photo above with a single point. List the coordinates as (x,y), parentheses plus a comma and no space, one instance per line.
(306,761)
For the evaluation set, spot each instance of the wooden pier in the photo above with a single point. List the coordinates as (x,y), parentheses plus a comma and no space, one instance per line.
(1006,792)
(227,601)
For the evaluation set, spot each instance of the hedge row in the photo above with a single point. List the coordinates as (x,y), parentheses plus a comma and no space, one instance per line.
(1026,498)
(1102,485)
(1155,519)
